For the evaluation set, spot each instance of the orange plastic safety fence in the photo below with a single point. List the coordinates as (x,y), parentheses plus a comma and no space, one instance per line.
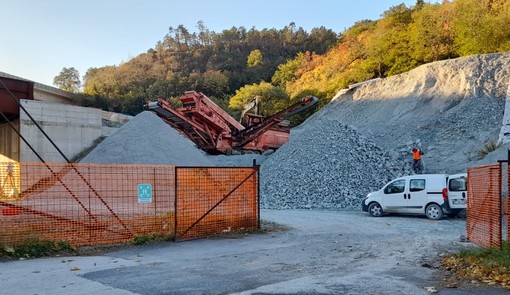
(507,203)
(216,200)
(85,204)
(484,206)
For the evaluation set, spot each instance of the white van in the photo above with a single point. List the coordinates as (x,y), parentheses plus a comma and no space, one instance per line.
(429,194)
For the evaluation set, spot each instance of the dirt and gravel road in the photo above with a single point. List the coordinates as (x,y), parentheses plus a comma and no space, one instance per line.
(309,252)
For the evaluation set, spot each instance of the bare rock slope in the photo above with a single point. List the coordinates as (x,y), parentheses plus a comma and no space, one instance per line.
(450,109)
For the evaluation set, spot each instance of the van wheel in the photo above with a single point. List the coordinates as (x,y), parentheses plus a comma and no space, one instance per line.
(434,212)
(375,210)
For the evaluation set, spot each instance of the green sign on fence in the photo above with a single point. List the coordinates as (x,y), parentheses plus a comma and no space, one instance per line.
(144,193)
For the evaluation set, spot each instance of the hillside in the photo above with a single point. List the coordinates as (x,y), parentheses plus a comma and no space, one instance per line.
(448,108)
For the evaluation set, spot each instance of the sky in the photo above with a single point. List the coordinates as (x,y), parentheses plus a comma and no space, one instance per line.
(39,38)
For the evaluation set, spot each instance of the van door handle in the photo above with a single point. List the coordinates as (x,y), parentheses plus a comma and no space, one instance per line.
(464,195)
(405,196)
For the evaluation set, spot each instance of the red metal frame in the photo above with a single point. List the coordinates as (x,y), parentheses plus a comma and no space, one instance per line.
(215,131)
(21,89)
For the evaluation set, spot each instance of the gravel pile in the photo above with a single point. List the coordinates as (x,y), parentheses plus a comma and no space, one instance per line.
(325,165)
(146,139)
(362,139)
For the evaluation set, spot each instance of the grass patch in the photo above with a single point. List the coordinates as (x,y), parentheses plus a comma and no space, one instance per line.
(144,239)
(490,256)
(488,147)
(490,265)
(35,248)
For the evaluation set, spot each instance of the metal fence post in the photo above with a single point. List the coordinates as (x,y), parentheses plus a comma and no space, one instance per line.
(176,198)
(258,191)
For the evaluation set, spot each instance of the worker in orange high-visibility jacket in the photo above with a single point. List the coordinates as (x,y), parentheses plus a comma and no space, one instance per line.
(417,163)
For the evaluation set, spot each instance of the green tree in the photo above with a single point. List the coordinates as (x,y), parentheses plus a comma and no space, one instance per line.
(215,84)
(288,71)
(271,98)
(388,46)
(255,58)
(419,4)
(68,80)
(482,26)
(103,82)
(431,35)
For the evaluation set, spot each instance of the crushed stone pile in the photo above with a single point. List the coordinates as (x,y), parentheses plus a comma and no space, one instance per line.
(325,165)
(361,139)
(146,139)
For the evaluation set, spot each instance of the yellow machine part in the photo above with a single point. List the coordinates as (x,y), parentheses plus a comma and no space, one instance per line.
(9,181)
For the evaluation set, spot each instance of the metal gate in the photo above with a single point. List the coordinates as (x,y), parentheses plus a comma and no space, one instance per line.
(215,200)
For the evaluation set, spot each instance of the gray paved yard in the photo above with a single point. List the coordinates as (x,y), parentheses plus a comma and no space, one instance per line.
(322,252)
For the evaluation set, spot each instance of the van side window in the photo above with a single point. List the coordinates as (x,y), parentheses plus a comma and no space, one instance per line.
(457,185)
(395,187)
(416,185)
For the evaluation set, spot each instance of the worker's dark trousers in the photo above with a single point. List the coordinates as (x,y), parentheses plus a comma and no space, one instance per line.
(417,166)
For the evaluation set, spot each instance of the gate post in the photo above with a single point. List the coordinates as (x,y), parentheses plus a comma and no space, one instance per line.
(257,167)
(176,191)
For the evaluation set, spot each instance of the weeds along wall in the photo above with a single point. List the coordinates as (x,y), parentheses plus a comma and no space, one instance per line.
(91,204)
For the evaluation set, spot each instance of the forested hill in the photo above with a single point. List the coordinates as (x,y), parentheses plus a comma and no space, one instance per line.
(214,63)
(282,65)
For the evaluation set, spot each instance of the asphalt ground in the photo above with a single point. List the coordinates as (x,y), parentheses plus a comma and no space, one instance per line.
(299,252)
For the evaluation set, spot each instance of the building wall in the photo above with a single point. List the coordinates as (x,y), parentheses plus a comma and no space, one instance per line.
(51,94)
(71,128)
(50,97)
(9,145)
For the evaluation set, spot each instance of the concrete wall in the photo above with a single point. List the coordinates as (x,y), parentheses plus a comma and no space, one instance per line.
(72,129)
